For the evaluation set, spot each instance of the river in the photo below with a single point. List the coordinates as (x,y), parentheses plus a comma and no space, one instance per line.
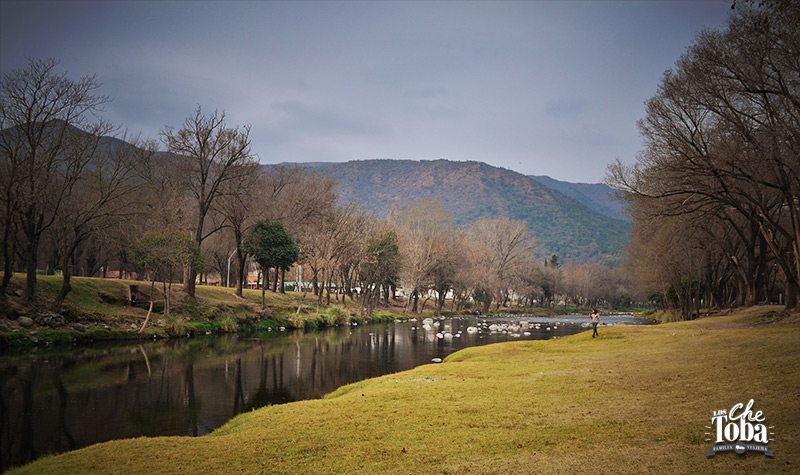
(62,399)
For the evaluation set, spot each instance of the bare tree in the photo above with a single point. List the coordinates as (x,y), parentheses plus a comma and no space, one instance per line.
(98,199)
(508,245)
(381,263)
(39,112)
(448,262)
(722,140)
(241,203)
(418,226)
(211,154)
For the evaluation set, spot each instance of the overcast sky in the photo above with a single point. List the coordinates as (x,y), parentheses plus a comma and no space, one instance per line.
(540,87)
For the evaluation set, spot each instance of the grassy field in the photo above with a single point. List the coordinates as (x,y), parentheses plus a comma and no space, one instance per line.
(635,400)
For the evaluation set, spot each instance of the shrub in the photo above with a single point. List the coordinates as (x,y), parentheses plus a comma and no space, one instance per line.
(335,315)
(174,327)
(228,325)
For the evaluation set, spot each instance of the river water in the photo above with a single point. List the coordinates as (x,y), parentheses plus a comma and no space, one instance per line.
(63,399)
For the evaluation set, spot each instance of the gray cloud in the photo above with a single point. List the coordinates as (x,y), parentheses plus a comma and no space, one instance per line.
(297,118)
(539,87)
(565,108)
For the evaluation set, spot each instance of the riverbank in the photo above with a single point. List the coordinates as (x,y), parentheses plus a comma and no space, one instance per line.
(101,310)
(635,400)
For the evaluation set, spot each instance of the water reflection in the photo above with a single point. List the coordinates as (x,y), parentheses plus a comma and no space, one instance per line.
(66,399)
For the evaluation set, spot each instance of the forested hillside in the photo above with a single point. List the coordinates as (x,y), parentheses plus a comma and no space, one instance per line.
(471,190)
(597,196)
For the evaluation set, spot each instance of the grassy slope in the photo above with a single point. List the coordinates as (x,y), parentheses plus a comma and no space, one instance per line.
(105,301)
(635,400)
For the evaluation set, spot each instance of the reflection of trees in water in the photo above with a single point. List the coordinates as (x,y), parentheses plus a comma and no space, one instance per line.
(5,423)
(311,365)
(50,403)
(167,412)
(192,406)
(263,394)
(26,449)
(62,413)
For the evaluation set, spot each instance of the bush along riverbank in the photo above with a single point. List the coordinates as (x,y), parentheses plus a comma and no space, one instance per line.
(636,399)
(107,309)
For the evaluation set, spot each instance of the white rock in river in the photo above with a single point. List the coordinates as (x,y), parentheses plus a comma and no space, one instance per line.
(436,360)
(472,329)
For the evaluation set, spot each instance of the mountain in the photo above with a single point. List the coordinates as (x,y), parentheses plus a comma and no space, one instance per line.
(597,196)
(472,190)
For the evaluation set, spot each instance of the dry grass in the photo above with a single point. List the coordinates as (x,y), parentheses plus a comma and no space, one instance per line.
(636,400)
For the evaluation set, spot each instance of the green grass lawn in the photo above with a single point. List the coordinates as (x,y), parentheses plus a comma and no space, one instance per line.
(635,400)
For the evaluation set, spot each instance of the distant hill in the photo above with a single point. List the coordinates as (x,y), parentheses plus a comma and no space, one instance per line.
(596,196)
(471,190)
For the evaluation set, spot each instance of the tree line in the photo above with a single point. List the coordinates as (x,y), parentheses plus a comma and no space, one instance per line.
(715,195)
(82,198)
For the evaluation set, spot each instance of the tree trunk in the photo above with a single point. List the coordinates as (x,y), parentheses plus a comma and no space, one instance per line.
(422,310)
(31,253)
(314,283)
(283,281)
(319,286)
(166,296)
(792,290)
(440,304)
(241,275)
(328,293)
(66,287)
(275,282)
(407,306)
(189,278)
(7,273)
(9,251)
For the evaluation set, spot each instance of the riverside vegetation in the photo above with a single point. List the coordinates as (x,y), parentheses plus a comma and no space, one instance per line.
(635,400)
(98,309)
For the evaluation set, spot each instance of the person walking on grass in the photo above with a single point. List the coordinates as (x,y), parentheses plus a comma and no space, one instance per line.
(595,321)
